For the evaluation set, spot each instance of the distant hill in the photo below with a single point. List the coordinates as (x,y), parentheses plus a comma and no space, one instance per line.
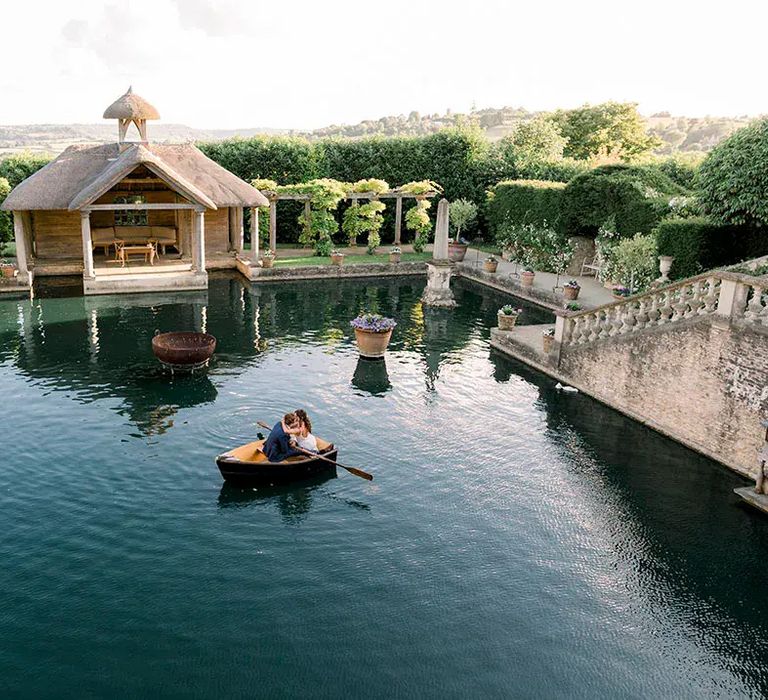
(678,134)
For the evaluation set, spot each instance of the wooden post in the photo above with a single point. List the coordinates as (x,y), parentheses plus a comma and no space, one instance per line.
(398,219)
(273,225)
(85,228)
(254,235)
(198,245)
(21,247)
(307,217)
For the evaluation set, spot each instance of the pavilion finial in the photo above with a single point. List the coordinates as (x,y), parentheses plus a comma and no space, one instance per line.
(130,108)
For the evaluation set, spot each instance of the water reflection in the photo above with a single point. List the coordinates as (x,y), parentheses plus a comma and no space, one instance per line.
(371,376)
(294,501)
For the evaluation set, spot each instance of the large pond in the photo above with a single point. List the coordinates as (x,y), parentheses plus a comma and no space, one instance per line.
(516,541)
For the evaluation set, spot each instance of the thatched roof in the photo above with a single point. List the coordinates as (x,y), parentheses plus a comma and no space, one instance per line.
(131,106)
(81,174)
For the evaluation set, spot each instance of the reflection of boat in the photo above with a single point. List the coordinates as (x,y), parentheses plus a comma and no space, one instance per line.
(248,464)
(237,495)
(180,350)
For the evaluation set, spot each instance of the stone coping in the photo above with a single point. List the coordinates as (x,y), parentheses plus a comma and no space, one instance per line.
(273,274)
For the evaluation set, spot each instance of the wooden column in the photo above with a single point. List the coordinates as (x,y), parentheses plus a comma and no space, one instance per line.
(198,243)
(273,225)
(307,216)
(85,228)
(21,246)
(255,235)
(398,220)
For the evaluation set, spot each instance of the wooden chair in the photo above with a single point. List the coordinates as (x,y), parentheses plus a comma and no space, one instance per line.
(595,267)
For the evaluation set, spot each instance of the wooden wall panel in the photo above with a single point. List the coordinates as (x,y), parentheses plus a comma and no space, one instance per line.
(57,234)
(217,230)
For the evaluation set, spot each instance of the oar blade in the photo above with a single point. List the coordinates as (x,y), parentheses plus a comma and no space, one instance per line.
(357,472)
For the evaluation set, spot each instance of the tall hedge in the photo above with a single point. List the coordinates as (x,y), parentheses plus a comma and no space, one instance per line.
(20,166)
(732,179)
(6,218)
(634,197)
(699,244)
(524,202)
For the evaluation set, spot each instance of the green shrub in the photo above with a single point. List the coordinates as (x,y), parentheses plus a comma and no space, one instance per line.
(20,166)
(517,202)
(698,244)
(734,188)
(681,168)
(636,197)
(536,246)
(6,217)
(634,262)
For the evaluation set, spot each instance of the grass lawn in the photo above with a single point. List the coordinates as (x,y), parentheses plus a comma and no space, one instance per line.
(349,259)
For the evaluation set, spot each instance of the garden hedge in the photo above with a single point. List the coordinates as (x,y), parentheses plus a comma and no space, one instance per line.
(699,244)
(635,197)
(524,202)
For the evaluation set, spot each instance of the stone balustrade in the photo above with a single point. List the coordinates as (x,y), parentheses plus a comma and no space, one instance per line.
(739,297)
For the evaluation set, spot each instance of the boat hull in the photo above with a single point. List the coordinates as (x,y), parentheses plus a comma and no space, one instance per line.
(270,473)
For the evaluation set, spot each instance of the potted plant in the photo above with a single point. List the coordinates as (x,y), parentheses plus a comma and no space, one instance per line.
(507,317)
(372,333)
(526,277)
(394,254)
(337,258)
(620,292)
(490,264)
(571,290)
(268,258)
(461,214)
(547,339)
(7,268)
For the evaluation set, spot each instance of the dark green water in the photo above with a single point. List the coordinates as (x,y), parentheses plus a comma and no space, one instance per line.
(516,542)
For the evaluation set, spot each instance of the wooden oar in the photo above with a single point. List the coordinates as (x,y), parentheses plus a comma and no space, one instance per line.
(351,470)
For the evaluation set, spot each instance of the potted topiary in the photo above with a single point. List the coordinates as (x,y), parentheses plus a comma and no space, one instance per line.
(461,214)
(490,264)
(507,317)
(394,254)
(337,258)
(268,258)
(571,290)
(526,277)
(547,339)
(372,333)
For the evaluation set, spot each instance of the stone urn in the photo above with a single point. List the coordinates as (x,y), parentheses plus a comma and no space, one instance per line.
(526,278)
(507,321)
(665,265)
(268,261)
(490,265)
(571,292)
(456,251)
(337,259)
(372,333)
(547,339)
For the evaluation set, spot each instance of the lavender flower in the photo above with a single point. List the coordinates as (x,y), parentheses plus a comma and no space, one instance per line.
(373,322)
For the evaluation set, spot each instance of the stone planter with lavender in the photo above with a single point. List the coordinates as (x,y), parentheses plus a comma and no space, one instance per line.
(490,264)
(507,317)
(547,340)
(268,258)
(337,258)
(571,290)
(394,254)
(372,333)
(526,278)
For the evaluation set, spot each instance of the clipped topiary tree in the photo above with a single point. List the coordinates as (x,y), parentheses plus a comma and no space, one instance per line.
(734,189)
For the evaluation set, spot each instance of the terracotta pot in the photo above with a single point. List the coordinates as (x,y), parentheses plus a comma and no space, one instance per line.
(182,349)
(489,266)
(571,293)
(394,257)
(546,343)
(507,321)
(337,260)
(526,278)
(456,251)
(372,344)
(8,270)
(267,262)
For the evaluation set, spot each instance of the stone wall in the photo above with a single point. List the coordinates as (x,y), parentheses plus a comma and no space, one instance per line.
(703,382)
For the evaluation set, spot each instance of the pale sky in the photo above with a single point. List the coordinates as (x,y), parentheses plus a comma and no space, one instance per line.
(298,64)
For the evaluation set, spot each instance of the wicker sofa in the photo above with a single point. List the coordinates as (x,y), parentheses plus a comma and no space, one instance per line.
(106,236)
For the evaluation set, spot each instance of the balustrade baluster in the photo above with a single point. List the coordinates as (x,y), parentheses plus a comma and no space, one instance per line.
(755,306)
(666,310)
(711,298)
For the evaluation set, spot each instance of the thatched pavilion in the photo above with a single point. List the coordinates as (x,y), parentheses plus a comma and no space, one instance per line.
(132,215)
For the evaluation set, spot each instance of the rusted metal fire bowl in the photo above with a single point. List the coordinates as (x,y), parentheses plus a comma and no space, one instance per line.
(183,350)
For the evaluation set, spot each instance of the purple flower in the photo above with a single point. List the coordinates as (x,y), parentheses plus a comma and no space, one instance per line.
(373,322)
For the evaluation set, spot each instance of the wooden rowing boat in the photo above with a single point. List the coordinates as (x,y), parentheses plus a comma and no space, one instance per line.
(248,464)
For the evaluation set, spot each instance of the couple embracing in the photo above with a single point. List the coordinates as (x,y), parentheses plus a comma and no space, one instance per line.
(292,432)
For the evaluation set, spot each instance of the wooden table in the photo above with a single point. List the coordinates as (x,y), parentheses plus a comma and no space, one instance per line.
(148,250)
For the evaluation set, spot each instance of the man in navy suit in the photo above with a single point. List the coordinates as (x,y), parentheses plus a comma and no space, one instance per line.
(279,444)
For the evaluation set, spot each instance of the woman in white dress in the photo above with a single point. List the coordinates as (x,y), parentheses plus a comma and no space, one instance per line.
(305,439)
